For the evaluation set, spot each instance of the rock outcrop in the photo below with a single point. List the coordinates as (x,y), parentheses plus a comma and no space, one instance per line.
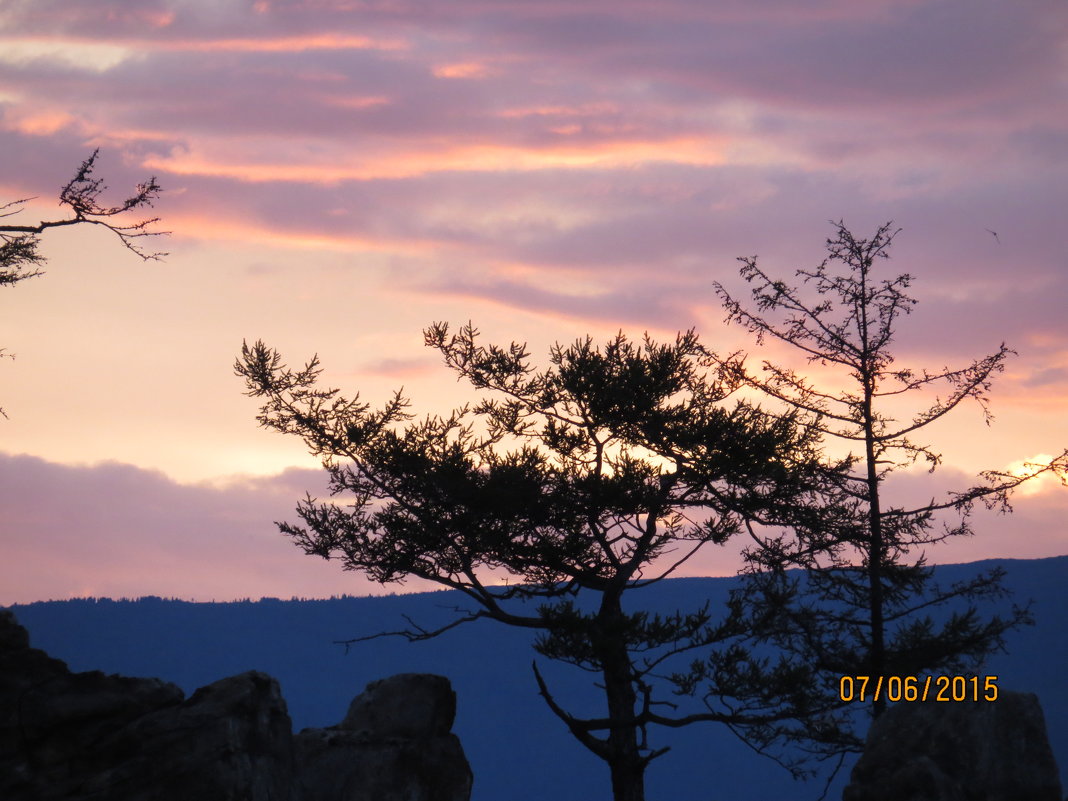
(393,744)
(958,751)
(66,736)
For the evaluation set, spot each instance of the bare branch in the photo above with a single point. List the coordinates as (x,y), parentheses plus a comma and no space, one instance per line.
(82,196)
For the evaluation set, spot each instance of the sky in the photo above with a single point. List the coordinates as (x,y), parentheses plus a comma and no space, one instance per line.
(338,175)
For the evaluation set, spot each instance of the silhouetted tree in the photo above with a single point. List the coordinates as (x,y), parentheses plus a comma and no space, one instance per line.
(20,256)
(867,604)
(600,475)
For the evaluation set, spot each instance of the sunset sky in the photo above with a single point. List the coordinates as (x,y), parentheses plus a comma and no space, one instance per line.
(340,174)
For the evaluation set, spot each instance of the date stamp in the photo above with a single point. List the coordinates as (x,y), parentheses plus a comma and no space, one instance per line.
(915,688)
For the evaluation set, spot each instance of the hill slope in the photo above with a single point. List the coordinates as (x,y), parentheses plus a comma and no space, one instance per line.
(518,750)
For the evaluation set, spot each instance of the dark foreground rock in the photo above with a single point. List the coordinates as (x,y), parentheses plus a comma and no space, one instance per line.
(985,751)
(394,743)
(89,736)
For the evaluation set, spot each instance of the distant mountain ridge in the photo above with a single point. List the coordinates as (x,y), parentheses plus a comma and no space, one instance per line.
(517,749)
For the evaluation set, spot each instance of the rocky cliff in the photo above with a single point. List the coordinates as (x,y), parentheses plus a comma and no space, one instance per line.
(958,751)
(89,736)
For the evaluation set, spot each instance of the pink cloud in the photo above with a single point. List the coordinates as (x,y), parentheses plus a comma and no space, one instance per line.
(401,368)
(114,530)
(570,167)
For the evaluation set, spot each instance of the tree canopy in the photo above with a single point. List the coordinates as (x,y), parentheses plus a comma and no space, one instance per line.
(580,484)
(868,604)
(560,493)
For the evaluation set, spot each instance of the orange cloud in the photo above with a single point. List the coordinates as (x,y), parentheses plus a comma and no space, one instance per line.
(585,110)
(471,158)
(42,123)
(120,47)
(465,69)
(284,44)
(1045,483)
(208,225)
(357,101)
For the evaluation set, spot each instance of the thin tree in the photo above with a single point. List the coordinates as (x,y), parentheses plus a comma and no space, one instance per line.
(579,485)
(868,605)
(20,256)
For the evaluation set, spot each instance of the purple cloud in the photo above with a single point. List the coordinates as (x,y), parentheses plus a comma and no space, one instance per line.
(114,530)
(337,170)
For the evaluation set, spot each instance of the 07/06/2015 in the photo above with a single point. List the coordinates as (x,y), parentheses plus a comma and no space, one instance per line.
(914,688)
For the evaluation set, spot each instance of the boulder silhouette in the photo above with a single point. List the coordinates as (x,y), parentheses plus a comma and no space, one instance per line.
(66,736)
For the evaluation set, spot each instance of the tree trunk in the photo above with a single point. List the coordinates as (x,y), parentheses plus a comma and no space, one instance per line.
(876,547)
(624,759)
(628,780)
